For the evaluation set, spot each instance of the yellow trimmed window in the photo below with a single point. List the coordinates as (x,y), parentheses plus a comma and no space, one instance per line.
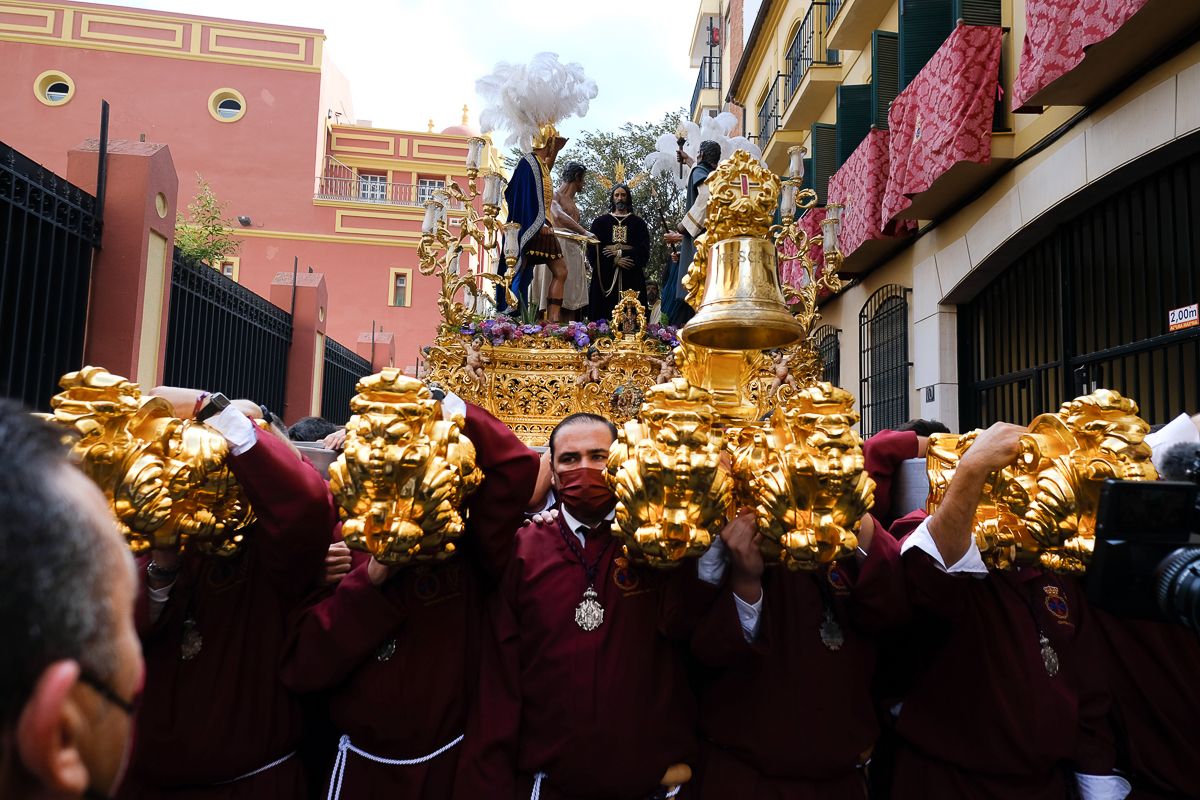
(401,288)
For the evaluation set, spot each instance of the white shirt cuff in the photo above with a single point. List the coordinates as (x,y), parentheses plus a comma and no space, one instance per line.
(710,567)
(162,594)
(453,406)
(236,427)
(748,614)
(1102,787)
(971,563)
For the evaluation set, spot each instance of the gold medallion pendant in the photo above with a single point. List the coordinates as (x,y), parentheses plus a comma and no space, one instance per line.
(589,614)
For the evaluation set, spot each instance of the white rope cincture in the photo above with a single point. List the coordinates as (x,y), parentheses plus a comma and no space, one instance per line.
(537,786)
(344,748)
(254,772)
(541,776)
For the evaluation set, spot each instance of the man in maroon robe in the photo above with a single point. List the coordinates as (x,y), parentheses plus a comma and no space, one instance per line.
(396,651)
(582,693)
(808,655)
(1008,697)
(215,720)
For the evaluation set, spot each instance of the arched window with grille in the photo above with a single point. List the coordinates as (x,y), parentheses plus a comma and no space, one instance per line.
(827,340)
(884,364)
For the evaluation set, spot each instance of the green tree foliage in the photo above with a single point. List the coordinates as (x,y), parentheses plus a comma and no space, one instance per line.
(205,234)
(656,200)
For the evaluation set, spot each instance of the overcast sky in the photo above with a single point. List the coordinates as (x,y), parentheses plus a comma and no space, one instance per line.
(410,60)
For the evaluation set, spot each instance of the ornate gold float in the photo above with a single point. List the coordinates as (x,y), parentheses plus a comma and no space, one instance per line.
(1042,508)
(403,474)
(165,478)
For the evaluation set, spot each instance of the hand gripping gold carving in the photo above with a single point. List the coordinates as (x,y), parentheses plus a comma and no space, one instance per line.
(1042,508)
(165,478)
(404,473)
(804,477)
(673,491)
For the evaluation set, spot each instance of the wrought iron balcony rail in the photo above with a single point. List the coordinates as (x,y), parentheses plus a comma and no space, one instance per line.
(341,182)
(709,77)
(810,46)
(770,113)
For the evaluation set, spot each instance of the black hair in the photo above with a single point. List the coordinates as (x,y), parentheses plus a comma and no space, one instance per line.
(573,171)
(923,427)
(581,418)
(311,429)
(612,204)
(710,152)
(54,605)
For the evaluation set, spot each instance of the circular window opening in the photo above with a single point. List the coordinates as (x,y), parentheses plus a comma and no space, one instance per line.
(229,108)
(58,91)
(53,88)
(227,105)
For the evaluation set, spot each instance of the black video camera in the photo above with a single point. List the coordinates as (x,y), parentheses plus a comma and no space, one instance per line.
(1146,564)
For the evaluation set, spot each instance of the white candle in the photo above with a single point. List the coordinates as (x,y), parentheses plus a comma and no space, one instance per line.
(796,162)
(787,205)
(431,216)
(493,188)
(512,240)
(442,198)
(832,225)
(475,147)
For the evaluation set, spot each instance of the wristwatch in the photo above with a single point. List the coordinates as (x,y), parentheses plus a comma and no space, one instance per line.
(216,404)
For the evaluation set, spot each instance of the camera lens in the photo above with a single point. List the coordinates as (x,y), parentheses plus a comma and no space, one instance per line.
(1177,587)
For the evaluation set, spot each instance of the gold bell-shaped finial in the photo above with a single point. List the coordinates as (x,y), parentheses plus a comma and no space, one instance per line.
(734,278)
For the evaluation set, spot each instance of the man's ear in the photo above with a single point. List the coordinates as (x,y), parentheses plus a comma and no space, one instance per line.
(49,729)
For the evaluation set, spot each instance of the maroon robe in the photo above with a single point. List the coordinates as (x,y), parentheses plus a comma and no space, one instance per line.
(225,712)
(1155,672)
(399,661)
(602,712)
(882,454)
(983,719)
(786,718)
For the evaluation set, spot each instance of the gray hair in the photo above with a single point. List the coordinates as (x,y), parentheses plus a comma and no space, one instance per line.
(53,602)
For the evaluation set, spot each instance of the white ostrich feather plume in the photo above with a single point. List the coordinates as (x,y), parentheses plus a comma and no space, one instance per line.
(521,98)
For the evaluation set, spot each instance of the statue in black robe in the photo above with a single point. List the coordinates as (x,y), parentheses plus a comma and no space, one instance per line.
(619,261)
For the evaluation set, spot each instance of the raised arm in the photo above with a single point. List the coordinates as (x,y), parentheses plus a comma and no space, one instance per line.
(951,526)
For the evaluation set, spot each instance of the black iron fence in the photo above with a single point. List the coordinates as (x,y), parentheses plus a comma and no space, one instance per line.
(1088,307)
(770,113)
(48,231)
(708,77)
(809,45)
(222,336)
(343,369)
(884,361)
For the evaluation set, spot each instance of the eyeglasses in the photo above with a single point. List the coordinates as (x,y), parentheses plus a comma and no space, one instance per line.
(101,688)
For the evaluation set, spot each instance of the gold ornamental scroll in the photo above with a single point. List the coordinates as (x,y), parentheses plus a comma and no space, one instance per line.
(404,472)
(1042,508)
(805,478)
(165,478)
(668,471)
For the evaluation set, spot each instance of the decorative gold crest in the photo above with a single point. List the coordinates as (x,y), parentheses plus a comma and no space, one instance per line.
(1042,509)
(804,477)
(165,478)
(403,474)
(673,491)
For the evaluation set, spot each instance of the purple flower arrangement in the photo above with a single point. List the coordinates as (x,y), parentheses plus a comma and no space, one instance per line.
(502,329)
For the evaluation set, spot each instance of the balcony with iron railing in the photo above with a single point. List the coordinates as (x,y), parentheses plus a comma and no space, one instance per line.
(707,93)
(814,69)
(340,182)
(769,111)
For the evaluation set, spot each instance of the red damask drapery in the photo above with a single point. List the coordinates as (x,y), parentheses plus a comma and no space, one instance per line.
(944,116)
(1057,34)
(858,186)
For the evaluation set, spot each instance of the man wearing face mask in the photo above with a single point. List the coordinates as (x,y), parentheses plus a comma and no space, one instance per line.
(582,692)
(70,663)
